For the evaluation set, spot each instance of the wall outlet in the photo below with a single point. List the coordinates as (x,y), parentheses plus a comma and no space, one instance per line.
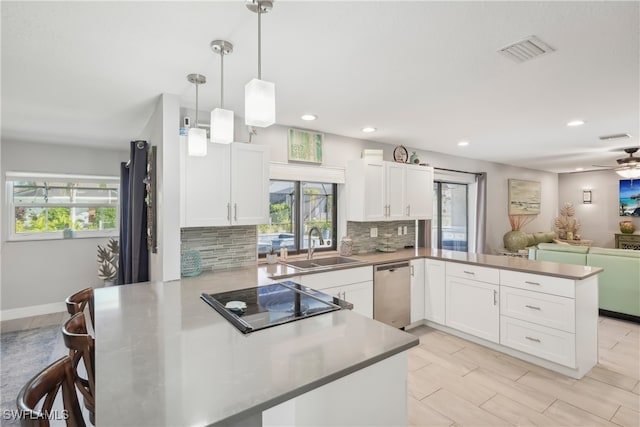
(404,230)
(399,230)
(374,231)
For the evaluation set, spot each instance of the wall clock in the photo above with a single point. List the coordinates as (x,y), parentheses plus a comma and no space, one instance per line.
(400,154)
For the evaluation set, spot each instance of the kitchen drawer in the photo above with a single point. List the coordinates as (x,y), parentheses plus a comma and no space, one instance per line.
(473,272)
(546,343)
(538,283)
(543,309)
(334,278)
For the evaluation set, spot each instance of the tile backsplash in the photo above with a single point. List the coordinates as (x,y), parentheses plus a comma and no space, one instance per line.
(359,232)
(222,247)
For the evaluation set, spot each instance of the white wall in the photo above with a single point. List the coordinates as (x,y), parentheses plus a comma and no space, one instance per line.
(47,271)
(600,220)
(338,150)
(162,131)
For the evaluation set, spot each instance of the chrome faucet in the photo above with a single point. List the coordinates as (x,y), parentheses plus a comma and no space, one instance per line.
(310,253)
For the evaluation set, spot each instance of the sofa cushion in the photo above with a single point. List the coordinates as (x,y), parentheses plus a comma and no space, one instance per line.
(563,248)
(619,282)
(627,253)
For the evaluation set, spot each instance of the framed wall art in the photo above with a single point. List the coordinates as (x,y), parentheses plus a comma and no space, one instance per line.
(305,146)
(629,200)
(524,197)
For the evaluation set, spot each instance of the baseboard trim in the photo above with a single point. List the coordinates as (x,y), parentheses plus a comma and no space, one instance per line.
(621,316)
(33,310)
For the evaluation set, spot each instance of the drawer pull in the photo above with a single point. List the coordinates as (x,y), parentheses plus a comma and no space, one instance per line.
(532,283)
(469,272)
(533,339)
(532,307)
(495,297)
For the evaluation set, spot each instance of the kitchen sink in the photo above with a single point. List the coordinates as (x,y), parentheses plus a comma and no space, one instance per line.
(309,264)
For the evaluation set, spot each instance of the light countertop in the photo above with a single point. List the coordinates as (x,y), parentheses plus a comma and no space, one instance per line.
(164,357)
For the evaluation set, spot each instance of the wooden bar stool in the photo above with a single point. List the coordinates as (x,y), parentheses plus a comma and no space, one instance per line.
(45,386)
(81,347)
(78,301)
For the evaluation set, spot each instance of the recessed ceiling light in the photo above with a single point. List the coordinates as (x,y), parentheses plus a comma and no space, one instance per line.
(575,123)
(463,143)
(368,129)
(308,117)
(579,169)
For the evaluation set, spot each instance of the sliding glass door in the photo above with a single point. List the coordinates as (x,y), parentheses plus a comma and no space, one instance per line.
(449,227)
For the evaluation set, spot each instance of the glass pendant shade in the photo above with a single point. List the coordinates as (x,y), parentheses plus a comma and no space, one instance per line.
(197,142)
(259,103)
(222,126)
(629,172)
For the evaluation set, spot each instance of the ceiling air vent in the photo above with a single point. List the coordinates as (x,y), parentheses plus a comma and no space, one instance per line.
(615,136)
(526,49)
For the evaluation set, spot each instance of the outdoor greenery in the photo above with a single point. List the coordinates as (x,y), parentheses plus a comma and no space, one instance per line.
(54,219)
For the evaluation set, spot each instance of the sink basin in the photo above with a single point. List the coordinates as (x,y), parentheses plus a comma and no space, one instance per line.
(308,264)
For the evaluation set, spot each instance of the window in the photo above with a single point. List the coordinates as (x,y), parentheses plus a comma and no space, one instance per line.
(449,228)
(41,206)
(295,207)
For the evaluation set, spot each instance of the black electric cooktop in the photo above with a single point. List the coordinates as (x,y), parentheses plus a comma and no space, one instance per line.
(271,305)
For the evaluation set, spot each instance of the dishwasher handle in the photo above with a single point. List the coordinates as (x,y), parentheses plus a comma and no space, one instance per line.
(392,267)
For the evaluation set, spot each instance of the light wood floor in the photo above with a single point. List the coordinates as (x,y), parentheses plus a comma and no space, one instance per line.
(453,382)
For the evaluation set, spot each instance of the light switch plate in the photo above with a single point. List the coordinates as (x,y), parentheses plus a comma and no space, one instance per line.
(404,231)
(374,231)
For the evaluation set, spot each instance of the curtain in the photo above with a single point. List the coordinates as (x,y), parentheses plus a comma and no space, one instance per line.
(134,255)
(481,213)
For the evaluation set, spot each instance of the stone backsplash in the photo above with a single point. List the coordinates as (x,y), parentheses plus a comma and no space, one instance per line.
(360,233)
(222,247)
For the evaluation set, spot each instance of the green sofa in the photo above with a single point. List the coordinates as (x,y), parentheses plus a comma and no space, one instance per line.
(619,282)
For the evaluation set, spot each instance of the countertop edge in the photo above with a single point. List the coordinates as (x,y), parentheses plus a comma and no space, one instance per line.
(291,394)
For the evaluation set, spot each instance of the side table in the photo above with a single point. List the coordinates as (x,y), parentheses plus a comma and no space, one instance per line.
(581,242)
(628,241)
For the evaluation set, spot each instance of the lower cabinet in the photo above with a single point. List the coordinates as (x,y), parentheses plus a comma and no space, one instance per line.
(434,291)
(473,307)
(417,289)
(354,285)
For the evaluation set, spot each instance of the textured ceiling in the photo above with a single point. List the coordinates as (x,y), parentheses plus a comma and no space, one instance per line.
(425,74)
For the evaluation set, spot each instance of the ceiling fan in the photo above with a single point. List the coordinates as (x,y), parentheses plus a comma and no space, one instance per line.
(628,167)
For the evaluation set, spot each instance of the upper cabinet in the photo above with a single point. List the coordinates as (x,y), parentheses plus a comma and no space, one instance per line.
(388,191)
(228,186)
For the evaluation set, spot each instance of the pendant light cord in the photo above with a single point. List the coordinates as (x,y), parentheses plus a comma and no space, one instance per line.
(196,104)
(259,42)
(222,79)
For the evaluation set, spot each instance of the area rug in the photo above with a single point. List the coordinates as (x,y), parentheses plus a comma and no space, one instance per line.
(23,355)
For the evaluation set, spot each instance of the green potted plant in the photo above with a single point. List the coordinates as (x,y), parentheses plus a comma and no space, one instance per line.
(272,256)
(108,262)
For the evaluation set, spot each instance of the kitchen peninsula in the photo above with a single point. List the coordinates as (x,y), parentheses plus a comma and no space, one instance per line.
(164,358)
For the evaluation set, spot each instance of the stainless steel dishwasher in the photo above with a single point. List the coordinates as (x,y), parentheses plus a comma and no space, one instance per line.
(392,294)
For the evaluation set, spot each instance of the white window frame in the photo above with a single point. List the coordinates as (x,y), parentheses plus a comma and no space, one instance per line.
(11,177)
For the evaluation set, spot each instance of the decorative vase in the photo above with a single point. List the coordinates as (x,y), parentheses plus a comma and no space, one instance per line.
(627,227)
(515,240)
(272,258)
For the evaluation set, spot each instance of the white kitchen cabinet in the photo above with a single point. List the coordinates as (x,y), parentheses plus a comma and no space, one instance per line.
(434,290)
(419,188)
(354,285)
(388,191)
(228,186)
(417,289)
(473,306)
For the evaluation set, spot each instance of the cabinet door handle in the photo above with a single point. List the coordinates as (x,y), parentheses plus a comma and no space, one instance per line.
(469,272)
(532,283)
(412,271)
(235,212)
(533,339)
(495,297)
(228,211)
(532,307)
(408,210)
(387,210)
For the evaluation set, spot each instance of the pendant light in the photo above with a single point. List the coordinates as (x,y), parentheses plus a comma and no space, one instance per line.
(259,95)
(197,138)
(221,119)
